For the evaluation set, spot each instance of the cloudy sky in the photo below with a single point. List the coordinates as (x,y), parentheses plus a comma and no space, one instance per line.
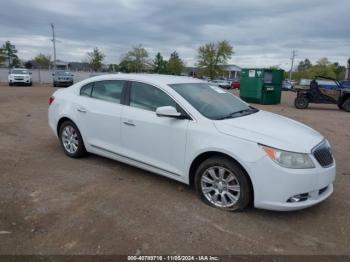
(263,33)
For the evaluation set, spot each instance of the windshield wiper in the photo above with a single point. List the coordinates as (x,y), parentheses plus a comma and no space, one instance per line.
(239,113)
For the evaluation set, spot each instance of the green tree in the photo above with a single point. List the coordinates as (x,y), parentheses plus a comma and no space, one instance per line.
(175,64)
(211,57)
(339,70)
(304,65)
(136,59)
(44,61)
(8,53)
(95,59)
(160,65)
(323,67)
(124,66)
(113,67)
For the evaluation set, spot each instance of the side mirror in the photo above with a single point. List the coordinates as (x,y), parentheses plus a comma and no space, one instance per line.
(167,111)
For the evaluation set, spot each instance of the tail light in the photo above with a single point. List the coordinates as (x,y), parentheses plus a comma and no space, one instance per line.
(51,99)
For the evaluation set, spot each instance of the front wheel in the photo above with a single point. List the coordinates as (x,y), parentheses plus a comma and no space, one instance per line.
(346,105)
(71,140)
(301,102)
(222,183)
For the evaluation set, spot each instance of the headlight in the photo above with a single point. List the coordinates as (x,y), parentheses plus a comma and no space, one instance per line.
(289,159)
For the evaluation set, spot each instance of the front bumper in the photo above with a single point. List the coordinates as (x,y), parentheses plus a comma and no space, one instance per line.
(64,83)
(20,81)
(275,185)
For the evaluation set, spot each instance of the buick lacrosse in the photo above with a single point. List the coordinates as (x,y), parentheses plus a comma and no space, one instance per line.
(188,130)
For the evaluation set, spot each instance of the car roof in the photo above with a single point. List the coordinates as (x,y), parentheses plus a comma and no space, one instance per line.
(150,78)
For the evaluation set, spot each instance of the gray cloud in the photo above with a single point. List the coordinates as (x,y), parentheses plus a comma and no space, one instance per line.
(262,32)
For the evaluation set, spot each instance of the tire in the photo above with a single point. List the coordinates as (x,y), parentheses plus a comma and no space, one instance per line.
(71,140)
(54,84)
(301,102)
(346,105)
(10,84)
(235,199)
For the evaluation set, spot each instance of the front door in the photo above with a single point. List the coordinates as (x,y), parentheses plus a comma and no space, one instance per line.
(156,141)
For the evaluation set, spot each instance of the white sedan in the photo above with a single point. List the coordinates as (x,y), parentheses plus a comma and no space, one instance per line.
(198,134)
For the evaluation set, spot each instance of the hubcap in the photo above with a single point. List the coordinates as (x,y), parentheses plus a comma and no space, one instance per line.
(220,186)
(70,139)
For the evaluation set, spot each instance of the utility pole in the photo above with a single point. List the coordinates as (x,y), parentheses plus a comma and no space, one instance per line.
(54,46)
(294,53)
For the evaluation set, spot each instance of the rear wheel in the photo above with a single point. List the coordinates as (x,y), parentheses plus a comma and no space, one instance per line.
(301,102)
(222,183)
(71,140)
(346,105)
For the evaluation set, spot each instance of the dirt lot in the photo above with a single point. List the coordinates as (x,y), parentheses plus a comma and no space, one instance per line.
(51,204)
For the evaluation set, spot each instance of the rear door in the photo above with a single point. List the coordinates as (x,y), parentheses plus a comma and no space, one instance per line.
(156,141)
(99,111)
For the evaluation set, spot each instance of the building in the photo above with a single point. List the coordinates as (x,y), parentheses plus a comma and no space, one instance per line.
(229,71)
(79,66)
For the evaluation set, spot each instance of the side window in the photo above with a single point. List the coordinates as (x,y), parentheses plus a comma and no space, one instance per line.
(149,97)
(108,90)
(86,90)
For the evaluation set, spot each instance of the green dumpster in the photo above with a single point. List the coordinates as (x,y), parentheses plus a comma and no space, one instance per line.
(261,86)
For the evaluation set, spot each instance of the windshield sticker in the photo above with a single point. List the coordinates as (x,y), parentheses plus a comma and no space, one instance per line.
(218,89)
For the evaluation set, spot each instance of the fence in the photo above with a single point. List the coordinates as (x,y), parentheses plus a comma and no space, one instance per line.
(44,76)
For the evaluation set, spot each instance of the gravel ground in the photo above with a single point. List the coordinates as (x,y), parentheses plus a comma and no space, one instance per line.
(51,204)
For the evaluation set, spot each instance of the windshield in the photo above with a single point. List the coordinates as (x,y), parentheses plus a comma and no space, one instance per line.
(20,71)
(62,73)
(212,101)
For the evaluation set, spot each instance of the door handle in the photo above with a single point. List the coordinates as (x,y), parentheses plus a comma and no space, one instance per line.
(81,110)
(129,123)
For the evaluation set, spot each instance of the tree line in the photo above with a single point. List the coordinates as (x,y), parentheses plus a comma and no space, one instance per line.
(211,59)
(322,67)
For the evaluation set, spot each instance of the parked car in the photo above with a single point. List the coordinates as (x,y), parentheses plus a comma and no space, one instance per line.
(221,83)
(235,84)
(287,85)
(20,76)
(199,134)
(62,78)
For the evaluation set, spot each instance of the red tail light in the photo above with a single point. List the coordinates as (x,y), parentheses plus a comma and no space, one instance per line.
(51,100)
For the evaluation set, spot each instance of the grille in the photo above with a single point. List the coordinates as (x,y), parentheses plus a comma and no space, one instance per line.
(323,155)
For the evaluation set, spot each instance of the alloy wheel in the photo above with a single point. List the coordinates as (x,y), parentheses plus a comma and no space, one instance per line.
(70,139)
(220,187)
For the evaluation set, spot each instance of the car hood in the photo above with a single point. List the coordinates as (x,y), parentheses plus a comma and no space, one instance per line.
(271,130)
